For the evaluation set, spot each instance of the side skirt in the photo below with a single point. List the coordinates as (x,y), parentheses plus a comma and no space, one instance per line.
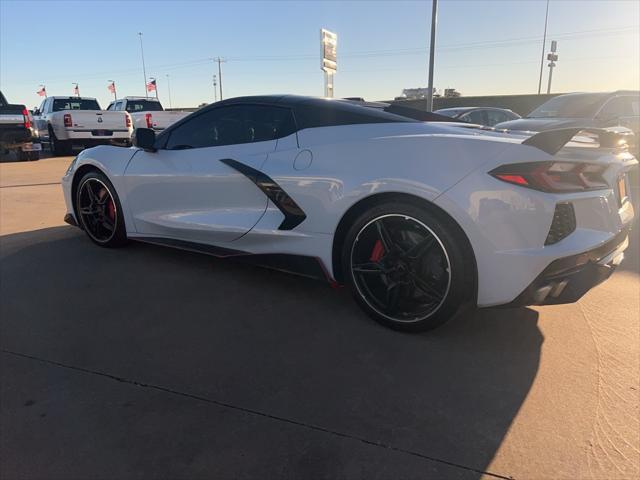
(302,265)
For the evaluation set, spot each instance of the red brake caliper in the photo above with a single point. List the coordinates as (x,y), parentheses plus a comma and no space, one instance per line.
(111,210)
(377,252)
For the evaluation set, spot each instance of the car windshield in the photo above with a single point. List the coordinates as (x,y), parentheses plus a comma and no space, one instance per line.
(60,104)
(143,106)
(570,106)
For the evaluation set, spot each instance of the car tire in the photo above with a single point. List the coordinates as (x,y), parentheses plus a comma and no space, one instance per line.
(99,212)
(28,156)
(407,266)
(59,148)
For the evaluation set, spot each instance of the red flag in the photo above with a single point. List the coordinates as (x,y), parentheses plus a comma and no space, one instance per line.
(151,86)
(42,92)
(112,87)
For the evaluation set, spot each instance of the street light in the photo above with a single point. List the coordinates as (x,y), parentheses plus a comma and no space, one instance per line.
(144,70)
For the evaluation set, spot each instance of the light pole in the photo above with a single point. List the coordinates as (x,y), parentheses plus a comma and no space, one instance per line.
(432,53)
(544,45)
(144,69)
(215,88)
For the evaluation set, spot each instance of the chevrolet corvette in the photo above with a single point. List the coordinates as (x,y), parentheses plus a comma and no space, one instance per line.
(416,215)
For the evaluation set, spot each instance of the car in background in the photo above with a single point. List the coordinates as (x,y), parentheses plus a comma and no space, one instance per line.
(67,121)
(487,116)
(146,113)
(16,133)
(588,110)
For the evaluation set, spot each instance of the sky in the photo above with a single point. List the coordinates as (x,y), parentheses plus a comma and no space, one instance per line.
(482,47)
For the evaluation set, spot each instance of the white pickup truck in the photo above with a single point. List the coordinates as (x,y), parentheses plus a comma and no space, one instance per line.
(146,112)
(67,121)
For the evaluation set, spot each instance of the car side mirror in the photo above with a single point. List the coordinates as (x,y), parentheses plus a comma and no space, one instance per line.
(36,112)
(145,138)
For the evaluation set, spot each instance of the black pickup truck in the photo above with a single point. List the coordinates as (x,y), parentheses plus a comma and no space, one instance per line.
(15,131)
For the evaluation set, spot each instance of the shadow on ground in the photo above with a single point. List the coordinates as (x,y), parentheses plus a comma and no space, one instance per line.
(302,383)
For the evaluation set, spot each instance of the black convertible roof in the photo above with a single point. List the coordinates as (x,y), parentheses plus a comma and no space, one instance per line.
(312,112)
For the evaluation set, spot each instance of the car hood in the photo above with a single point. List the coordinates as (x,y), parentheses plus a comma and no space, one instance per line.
(542,124)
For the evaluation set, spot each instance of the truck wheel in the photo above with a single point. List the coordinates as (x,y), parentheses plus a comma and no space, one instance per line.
(59,148)
(28,156)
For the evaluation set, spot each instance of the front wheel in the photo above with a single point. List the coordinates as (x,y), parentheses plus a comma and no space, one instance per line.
(99,211)
(406,266)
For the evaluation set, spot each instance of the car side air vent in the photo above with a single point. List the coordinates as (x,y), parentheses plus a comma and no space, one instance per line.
(564,223)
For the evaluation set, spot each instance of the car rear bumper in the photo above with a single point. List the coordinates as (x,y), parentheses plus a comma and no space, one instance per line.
(567,279)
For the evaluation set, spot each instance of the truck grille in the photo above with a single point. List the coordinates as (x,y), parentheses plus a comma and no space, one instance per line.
(564,223)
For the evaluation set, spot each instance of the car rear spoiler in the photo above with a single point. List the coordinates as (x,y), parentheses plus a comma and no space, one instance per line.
(552,141)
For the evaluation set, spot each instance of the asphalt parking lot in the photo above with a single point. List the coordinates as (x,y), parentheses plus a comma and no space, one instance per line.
(155,363)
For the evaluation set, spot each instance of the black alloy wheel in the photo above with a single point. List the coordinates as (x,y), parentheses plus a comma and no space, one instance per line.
(406,268)
(99,212)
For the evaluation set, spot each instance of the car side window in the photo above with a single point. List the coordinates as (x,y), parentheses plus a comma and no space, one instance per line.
(230,125)
(616,107)
(111,106)
(475,116)
(495,116)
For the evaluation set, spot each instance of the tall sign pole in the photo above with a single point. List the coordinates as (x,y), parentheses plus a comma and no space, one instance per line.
(544,46)
(553,58)
(432,53)
(169,90)
(329,62)
(144,69)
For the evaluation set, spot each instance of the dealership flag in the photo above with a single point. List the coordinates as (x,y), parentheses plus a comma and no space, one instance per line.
(42,92)
(76,90)
(151,86)
(112,87)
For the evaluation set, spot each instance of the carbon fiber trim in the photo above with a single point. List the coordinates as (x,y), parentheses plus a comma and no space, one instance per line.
(293,214)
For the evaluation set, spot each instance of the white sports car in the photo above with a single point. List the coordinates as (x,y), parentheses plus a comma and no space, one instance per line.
(417,217)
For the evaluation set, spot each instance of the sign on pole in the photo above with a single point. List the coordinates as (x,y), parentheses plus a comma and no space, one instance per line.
(329,64)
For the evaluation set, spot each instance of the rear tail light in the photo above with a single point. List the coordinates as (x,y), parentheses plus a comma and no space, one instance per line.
(26,119)
(127,120)
(149,120)
(555,177)
(68,122)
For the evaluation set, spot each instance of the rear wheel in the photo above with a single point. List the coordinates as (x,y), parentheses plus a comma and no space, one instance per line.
(28,156)
(406,267)
(58,147)
(99,211)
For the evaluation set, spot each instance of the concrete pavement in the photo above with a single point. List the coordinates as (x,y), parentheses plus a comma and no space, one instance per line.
(149,362)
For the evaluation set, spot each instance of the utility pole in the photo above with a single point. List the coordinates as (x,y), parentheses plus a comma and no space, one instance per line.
(553,58)
(219,60)
(144,69)
(215,88)
(544,46)
(168,89)
(432,53)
